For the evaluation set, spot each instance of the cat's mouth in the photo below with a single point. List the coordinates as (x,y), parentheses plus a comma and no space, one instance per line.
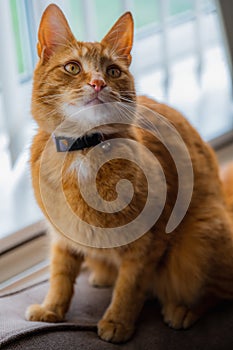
(93,102)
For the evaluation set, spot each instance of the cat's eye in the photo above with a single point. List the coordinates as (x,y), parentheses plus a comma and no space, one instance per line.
(72,68)
(113,72)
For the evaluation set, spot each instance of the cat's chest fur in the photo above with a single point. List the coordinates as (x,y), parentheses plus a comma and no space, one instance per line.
(72,189)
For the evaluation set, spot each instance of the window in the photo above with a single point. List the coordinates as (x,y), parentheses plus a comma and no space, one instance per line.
(178,57)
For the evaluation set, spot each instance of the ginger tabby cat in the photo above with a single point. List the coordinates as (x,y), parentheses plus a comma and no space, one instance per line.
(189,269)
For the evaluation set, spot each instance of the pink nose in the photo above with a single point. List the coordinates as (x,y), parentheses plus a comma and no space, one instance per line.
(97,84)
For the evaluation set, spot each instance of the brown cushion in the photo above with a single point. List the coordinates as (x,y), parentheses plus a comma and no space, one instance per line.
(214,331)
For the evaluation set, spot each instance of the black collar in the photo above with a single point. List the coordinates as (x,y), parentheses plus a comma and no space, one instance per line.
(68,144)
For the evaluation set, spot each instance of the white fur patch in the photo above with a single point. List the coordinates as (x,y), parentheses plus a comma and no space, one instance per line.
(79,167)
(79,120)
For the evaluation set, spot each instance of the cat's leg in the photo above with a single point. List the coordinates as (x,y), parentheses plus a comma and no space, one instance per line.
(180,316)
(198,266)
(181,296)
(102,273)
(64,268)
(118,322)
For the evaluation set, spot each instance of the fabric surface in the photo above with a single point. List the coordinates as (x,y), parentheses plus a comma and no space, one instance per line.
(214,331)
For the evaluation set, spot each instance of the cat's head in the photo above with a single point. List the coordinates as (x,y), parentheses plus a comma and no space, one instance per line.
(73,76)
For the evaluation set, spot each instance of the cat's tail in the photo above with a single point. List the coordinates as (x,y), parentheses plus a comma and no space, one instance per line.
(227,179)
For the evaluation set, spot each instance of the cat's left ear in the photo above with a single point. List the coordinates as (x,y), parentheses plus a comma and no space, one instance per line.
(120,37)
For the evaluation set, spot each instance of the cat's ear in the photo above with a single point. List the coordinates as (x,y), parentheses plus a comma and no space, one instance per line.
(120,36)
(54,31)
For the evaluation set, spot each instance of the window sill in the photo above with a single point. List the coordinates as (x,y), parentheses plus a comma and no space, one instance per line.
(22,251)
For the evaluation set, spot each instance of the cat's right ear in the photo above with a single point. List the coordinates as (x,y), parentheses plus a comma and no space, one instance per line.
(54,31)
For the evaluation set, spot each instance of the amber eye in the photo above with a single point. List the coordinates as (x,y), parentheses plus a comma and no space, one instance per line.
(72,68)
(113,72)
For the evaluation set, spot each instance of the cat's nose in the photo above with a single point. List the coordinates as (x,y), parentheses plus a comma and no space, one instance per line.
(97,84)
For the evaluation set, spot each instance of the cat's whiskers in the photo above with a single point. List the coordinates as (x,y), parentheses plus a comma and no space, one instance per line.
(127,92)
(47,99)
(43,82)
(52,97)
(126,99)
(142,122)
(51,113)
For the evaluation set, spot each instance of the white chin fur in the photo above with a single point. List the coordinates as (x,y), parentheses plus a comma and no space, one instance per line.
(79,120)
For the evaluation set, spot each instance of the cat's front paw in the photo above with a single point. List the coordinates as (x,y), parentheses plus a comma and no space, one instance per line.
(39,313)
(178,316)
(114,332)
